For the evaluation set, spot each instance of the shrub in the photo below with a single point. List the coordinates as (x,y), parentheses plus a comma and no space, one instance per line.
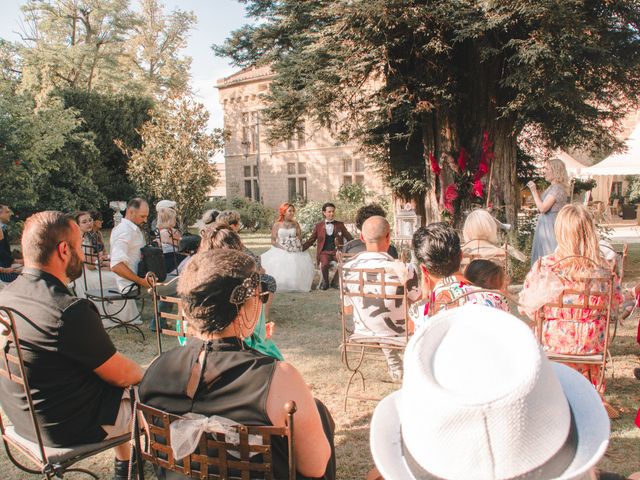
(632,195)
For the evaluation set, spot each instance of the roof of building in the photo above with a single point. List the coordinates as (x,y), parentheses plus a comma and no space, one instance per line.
(247,74)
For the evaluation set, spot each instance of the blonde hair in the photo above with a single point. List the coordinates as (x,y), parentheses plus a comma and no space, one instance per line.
(166,218)
(480,225)
(559,174)
(576,234)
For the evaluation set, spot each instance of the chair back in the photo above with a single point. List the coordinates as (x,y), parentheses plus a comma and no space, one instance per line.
(372,285)
(474,296)
(472,250)
(91,262)
(218,455)
(587,297)
(12,368)
(160,316)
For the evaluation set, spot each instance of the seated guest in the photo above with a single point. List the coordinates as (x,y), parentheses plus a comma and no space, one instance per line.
(480,400)
(126,241)
(220,236)
(571,331)
(379,317)
(159,206)
(170,238)
(8,270)
(486,274)
(77,378)
(367,211)
(437,248)
(214,374)
(207,219)
(480,232)
(97,234)
(91,279)
(232,219)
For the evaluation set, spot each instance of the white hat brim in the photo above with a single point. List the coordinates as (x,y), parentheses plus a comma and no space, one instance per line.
(591,420)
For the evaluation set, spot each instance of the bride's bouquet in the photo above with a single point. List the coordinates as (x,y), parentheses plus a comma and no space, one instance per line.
(292,245)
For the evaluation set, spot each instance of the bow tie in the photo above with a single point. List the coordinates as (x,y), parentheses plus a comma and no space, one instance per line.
(329,222)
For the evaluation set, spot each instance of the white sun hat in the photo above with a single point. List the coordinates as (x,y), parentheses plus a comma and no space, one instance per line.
(480,400)
(165,204)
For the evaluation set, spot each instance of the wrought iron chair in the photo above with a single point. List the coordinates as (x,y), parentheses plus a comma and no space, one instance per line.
(473,297)
(106,298)
(160,316)
(217,456)
(470,252)
(366,285)
(591,300)
(617,264)
(48,461)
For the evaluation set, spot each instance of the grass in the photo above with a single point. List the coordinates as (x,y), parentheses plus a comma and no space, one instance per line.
(308,334)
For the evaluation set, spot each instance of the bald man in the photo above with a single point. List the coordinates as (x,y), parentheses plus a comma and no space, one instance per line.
(378,317)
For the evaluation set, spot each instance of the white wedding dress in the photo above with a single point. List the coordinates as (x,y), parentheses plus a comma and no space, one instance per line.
(292,268)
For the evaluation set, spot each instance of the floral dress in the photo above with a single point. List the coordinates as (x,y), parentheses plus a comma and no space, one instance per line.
(448,289)
(570,330)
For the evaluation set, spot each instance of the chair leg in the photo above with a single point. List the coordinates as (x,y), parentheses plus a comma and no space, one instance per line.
(356,371)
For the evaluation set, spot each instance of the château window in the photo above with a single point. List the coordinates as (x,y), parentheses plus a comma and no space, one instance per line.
(296,181)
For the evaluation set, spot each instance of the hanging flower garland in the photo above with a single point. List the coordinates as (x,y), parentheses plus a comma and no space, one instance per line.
(467,186)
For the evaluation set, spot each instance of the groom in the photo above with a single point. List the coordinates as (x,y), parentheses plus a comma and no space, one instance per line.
(331,235)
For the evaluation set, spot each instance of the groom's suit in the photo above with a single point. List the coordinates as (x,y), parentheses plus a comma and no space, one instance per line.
(327,245)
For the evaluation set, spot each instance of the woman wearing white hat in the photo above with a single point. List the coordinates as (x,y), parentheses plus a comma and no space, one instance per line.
(514,415)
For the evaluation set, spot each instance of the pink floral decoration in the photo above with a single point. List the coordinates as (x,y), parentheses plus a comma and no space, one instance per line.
(435,166)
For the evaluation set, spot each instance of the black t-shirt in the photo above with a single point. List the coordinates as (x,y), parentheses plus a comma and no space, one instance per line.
(62,343)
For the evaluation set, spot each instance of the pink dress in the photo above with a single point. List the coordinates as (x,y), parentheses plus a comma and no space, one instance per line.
(572,330)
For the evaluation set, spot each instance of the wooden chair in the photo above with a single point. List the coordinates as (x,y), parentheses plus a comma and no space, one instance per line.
(593,299)
(160,316)
(216,456)
(104,296)
(368,285)
(47,461)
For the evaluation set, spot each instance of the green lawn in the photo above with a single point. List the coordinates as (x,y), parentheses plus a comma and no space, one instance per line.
(308,334)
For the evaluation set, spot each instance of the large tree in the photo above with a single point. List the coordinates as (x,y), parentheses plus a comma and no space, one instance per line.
(410,78)
(175,158)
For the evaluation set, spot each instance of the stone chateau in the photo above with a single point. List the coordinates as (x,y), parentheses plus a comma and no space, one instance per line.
(310,165)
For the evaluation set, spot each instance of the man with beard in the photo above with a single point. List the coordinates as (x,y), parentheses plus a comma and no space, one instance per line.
(77,378)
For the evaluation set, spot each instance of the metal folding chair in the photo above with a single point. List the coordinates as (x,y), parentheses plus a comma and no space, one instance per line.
(104,296)
(470,253)
(217,457)
(370,285)
(160,316)
(48,461)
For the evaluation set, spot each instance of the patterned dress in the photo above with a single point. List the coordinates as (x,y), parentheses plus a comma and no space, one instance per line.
(448,289)
(571,330)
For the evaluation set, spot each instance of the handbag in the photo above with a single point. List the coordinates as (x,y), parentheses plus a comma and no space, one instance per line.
(152,261)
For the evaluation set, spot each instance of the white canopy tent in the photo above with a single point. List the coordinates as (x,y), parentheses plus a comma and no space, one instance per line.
(624,163)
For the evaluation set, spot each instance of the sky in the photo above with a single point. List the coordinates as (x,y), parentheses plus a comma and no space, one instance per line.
(216,19)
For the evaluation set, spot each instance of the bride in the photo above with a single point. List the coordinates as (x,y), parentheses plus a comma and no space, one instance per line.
(285,261)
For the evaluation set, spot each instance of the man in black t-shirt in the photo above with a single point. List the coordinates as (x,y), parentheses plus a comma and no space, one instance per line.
(76,376)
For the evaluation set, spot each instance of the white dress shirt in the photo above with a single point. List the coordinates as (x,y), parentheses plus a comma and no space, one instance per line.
(126,241)
(328,227)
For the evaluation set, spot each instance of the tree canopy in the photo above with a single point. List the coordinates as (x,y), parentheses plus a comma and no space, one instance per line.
(410,78)
(175,158)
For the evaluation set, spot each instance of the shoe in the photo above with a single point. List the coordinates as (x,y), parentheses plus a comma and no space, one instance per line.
(636,373)
(121,470)
(324,286)
(336,286)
